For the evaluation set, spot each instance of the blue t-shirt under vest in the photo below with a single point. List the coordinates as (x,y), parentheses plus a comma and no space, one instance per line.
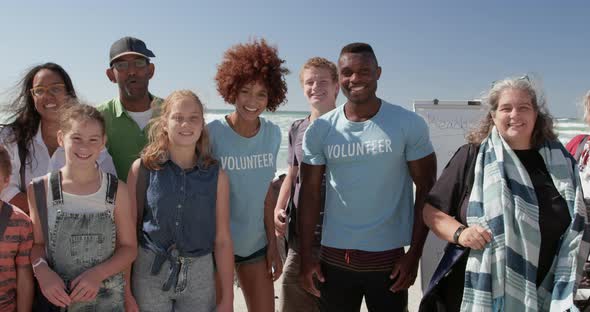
(250,164)
(369,192)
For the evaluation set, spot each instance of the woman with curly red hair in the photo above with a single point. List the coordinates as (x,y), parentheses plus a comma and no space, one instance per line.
(251,78)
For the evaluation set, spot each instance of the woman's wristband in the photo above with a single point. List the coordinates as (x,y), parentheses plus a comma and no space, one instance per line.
(37,263)
(458,233)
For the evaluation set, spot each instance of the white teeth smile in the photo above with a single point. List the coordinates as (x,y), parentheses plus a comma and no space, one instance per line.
(83,156)
(250,109)
(515,124)
(357,88)
(50,105)
(186,133)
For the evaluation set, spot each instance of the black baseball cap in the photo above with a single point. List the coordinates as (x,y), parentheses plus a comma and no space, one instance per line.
(129,45)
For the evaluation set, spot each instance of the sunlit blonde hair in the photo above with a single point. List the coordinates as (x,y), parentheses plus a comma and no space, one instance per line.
(157,149)
(320,62)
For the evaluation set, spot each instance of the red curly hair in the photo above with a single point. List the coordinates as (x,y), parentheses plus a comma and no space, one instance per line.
(249,62)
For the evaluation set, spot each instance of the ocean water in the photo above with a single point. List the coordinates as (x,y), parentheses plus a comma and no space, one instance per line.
(566,129)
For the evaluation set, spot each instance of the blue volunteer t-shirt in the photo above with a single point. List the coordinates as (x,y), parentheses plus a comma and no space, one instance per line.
(250,164)
(369,192)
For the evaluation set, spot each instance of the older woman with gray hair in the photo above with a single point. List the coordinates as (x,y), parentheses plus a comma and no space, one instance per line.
(510,205)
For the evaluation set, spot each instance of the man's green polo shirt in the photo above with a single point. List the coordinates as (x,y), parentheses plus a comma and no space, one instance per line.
(125,139)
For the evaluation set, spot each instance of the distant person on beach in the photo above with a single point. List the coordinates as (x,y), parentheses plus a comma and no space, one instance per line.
(84,232)
(182,199)
(251,77)
(319,80)
(370,151)
(579,147)
(128,114)
(510,204)
(31,137)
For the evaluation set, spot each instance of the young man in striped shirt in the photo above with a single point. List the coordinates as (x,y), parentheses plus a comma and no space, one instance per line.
(16,241)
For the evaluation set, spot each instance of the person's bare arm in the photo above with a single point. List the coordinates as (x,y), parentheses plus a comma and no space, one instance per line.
(224,253)
(282,201)
(273,260)
(423,173)
(130,302)
(24,289)
(444,226)
(51,284)
(308,214)
(24,273)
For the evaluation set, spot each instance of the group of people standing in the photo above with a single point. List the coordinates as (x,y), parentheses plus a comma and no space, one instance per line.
(138,205)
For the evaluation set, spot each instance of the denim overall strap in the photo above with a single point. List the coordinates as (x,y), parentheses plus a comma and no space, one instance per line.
(56,193)
(111,193)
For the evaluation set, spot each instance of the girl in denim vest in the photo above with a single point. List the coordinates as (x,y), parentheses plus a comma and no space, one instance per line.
(182,200)
(83,228)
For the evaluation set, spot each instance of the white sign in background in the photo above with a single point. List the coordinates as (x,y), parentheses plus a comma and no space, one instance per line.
(449,123)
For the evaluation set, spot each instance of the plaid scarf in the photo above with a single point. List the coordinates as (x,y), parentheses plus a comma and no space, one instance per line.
(502,276)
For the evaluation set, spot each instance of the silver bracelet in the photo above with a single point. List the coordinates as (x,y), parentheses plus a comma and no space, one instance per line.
(37,263)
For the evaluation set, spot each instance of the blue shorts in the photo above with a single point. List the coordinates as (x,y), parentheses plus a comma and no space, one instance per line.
(253,258)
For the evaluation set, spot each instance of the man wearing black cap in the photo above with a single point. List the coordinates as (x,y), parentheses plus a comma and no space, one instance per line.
(128,114)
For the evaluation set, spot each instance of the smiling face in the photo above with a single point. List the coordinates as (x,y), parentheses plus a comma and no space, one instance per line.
(53,97)
(515,118)
(133,81)
(184,123)
(251,101)
(358,75)
(83,142)
(319,88)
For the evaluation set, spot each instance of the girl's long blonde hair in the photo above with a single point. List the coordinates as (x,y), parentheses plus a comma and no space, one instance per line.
(156,151)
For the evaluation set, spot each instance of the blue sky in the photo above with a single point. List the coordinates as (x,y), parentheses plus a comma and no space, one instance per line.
(451,50)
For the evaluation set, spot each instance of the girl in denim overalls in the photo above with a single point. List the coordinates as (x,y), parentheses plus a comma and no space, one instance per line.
(184,216)
(85,238)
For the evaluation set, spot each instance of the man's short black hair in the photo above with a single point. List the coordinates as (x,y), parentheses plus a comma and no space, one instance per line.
(359,47)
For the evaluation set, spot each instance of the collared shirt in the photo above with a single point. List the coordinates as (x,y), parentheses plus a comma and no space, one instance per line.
(39,162)
(125,139)
(180,209)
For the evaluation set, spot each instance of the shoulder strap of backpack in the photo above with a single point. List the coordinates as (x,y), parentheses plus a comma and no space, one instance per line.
(580,147)
(5,218)
(141,186)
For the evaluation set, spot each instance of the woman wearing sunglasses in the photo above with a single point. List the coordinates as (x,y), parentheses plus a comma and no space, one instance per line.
(31,135)
(510,204)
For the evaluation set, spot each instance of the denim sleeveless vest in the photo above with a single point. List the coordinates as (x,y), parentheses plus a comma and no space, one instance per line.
(179,215)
